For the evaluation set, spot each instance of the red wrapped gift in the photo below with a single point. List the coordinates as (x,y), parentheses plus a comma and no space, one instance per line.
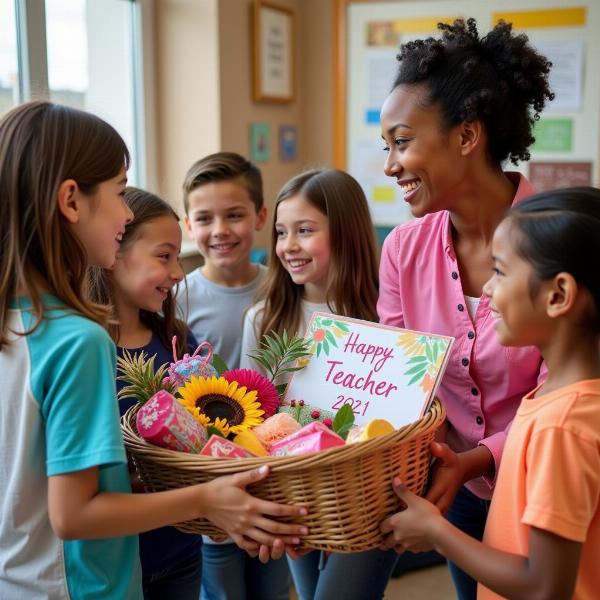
(221,448)
(164,422)
(313,437)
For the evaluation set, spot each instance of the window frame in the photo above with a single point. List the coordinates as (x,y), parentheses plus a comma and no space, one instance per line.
(32,66)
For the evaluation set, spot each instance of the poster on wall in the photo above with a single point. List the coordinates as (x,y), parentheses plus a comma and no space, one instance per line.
(553,135)
(566,75)
(564,31)
(273,52)
(546,176)
(260,142)
(288,142)
(385,197)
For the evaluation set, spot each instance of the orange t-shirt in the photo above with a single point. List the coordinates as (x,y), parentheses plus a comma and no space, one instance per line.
(550,479)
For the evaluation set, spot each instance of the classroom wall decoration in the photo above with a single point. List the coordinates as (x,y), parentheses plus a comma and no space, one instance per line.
(288,146)
(260,142)
(564,30)
(552,175)
(273,52)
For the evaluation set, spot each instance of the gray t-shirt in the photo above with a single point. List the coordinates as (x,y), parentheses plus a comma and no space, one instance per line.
(215,313)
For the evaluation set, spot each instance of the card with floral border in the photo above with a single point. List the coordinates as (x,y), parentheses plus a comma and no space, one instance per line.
(382,372)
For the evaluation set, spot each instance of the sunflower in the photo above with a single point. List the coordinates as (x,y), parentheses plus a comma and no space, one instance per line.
(222,402)
(266,393)
(202,419)
(222,425)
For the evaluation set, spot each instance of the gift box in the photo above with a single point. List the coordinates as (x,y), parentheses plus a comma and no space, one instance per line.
(222,448)
(313,437)
(164,422)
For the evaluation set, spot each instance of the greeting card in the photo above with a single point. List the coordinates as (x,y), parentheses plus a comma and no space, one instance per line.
(382,372)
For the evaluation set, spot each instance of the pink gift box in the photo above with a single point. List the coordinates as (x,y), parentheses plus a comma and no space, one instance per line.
(221,448)
(162,421)
(313,437)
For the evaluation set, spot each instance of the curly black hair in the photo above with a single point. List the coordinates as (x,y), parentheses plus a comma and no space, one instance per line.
(499,79)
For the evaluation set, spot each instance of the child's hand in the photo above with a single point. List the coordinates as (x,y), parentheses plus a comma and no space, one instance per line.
(230,507)
(410,528)
(266,553)
(447,476)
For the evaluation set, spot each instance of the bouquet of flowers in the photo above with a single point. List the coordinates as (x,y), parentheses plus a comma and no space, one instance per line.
(196,404)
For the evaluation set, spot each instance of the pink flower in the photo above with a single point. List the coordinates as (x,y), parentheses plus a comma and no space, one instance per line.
(266,394)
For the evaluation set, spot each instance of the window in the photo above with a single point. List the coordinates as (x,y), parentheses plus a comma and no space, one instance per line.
(9,75)
(82,53)
(91,63)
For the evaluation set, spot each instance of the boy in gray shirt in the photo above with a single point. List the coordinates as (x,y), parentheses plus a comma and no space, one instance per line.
(223,200)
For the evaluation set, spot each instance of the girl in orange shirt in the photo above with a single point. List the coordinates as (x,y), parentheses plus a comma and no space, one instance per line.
(542,536)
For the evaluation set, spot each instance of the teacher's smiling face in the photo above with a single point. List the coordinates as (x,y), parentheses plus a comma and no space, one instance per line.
(427,160)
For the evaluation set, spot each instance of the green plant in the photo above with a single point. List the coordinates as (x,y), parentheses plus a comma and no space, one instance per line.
(278,355)
(142,379)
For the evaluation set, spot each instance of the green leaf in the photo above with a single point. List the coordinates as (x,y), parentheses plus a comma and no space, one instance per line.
(277,352)
(219,364)
(327,322)
(212,430)
(343,421)
(342,326)
(416,369)
(417,359)
(290,369)
(326,346)
(429,353)
(281,387)
(417,377)
(271,343)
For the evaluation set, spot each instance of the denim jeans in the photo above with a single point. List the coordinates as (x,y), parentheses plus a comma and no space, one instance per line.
(357,576)
(228,573)
(469,514)
(181,581)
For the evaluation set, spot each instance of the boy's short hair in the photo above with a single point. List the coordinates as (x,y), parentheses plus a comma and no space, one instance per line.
(224,166)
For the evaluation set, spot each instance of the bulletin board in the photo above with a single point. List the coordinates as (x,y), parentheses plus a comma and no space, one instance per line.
(567,149)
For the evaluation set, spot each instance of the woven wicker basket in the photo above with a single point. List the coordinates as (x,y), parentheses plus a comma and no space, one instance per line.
(346,490)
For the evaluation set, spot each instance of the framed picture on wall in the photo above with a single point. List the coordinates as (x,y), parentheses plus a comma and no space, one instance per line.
(273,56)
(287,142)
(260,142)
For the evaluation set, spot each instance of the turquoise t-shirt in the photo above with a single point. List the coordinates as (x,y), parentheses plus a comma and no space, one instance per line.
(59,414)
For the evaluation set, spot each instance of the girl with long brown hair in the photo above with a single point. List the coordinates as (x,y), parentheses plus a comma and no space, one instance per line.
(323,258)
(326,257)
(68,516)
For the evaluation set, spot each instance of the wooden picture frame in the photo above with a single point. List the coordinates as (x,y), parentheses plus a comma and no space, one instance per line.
(273,52)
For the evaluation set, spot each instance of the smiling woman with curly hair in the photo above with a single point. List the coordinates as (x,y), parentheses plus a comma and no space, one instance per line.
(461,105)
